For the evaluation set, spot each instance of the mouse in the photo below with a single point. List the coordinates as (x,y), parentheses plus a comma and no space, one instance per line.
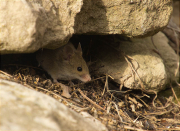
(64,63)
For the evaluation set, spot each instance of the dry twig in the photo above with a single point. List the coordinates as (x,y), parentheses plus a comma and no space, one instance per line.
(5,73)
(175,95)
(105,85)
(92,102)
(141,83)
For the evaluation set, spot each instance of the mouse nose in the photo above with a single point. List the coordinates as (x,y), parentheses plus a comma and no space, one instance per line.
(86,77)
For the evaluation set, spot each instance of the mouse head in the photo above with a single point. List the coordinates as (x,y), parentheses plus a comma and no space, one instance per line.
(75,65)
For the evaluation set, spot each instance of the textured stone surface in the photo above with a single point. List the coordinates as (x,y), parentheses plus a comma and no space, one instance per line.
(133,19)
(26,109)
(154,69)
(27,26)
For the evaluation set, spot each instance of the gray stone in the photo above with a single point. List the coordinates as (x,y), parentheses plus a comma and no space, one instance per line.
(25,109)
(155,67)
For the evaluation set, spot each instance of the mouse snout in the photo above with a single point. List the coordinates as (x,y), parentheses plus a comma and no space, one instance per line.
(85,77)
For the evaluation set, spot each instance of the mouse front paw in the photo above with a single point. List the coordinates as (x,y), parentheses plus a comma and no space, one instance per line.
(65,89)
(66,92)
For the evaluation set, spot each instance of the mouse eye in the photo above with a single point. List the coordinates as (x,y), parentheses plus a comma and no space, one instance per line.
(79,69)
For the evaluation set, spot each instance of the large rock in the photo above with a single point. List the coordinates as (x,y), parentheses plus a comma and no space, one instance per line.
(26,26)
(155,67)
(132,18)
(29,25)
(23,109)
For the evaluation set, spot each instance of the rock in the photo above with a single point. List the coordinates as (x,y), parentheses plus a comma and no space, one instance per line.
(132,18)
(26,109)
(168,31)
(174,23)
(168,55)
(27,25)
(154,68)
(176,13)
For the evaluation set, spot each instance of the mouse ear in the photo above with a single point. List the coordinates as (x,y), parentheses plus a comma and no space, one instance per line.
(79,49)
(68,51)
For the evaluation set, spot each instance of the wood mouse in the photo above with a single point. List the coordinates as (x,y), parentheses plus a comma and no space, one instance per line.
(64,63)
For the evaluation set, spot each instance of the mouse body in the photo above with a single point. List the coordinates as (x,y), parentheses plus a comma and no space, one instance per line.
(64,63)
